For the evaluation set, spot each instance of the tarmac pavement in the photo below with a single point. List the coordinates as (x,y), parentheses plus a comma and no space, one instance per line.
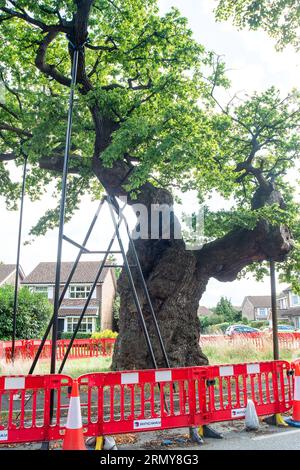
(235,437)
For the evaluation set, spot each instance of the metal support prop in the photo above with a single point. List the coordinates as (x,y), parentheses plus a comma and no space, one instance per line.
(131,282)
(102,266)
(74,267)
(15,308)
(274,311)
(62,212)
(145,289)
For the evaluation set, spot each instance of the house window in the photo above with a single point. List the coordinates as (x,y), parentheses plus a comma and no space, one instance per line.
(87,324)
(262,312)
(295,299)
(41,290)
(79,292)
(282,304)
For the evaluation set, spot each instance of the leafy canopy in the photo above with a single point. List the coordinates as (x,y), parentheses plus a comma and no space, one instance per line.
(280,18)
(157,85)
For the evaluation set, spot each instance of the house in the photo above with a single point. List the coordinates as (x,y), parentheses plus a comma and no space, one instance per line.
(204,311)
(256,307)
(8,274)
(288,305)
(100,308)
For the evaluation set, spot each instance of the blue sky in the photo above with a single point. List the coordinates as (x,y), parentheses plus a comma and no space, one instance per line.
(252,64)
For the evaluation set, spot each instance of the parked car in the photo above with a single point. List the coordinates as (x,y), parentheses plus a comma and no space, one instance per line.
(240,330)
(281,329)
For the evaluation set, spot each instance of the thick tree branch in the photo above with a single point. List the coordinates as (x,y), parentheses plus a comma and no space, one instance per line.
(224,258)
(23,15)
(9,111)
(55,163)
(16,130)
(6,157)
(43,66)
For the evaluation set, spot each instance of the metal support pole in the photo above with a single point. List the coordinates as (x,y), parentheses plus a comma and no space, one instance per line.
(102,266)
(74,267)
(274,311)
(62,213)
(15,309)
(131,282)
(145,289)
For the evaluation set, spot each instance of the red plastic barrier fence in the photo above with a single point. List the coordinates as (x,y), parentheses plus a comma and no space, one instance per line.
(222,391)
(81,348)
(25,407)
(172,398)
(258,340)
(134,401)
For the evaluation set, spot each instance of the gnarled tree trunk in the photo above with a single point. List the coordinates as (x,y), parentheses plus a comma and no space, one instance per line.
(176,279)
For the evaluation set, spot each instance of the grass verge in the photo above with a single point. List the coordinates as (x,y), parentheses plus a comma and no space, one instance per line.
(73,367)
(243,350)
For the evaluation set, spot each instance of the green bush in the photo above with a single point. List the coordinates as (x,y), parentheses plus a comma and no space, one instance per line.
(226,311)
(80,335)
(258,323)
(34,311)
(116,313)
(104,334)
(219,327)
(206,322)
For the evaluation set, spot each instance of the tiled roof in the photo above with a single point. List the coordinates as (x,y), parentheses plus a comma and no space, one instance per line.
(6,270)
(292,311)
(263,301)
(204,311)
(79,303)
(86,271)
(74,312)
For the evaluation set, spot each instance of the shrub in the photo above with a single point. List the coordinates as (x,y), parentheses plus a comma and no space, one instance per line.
(80,335)
(218,328)
(104,334)
(116,313)
(33,314)
(226,310)
(258,323)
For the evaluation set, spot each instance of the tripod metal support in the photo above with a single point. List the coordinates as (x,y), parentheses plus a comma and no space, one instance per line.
(15,308)
(62,212)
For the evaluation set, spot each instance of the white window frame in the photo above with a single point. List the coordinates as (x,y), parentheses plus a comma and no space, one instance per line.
(71,322)
(76,289)
(40,290)
(259,314)
(295,296)
(282,303)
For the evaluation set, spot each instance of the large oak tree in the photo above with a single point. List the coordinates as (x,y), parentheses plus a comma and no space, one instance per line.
(147,123)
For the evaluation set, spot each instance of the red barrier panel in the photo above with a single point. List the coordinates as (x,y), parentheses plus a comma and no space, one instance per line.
(26,349)
(25,407)
(222,391)
(135,401)
(172,398)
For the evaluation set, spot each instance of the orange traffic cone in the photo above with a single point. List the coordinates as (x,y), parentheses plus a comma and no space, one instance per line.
(295,420)
(74,433)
